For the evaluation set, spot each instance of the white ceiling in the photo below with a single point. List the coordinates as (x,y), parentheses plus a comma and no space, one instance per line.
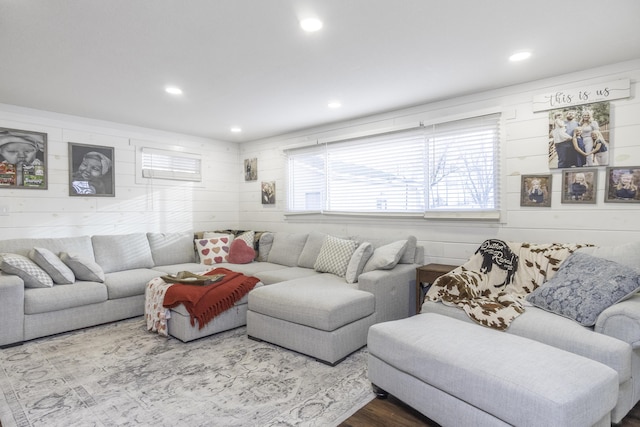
(248,63)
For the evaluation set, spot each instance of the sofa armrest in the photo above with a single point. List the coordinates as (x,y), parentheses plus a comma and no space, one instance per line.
(391,289)
(12,313)
(622,321)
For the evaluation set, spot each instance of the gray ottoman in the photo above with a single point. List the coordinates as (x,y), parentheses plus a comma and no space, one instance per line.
(458,373)
(322,318)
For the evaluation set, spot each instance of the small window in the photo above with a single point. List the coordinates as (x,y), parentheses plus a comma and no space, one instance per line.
(165,164)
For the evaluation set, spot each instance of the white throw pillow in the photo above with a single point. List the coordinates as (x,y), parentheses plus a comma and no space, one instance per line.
(32,275)
(49,262)
(358,261)
(386,257)
(335,255)
(214,250)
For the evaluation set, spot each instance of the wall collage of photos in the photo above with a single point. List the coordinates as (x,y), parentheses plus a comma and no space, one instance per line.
(579,146)
(23,164)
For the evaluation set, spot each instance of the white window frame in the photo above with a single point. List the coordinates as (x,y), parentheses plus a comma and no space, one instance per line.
(191,162)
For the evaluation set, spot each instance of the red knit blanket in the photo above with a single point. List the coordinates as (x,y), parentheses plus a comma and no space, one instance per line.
(206,302)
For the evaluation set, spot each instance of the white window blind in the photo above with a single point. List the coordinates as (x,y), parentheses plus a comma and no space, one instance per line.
(165,164)
(449,166)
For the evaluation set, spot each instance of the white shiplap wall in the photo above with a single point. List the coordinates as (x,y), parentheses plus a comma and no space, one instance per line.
(524,151)
(167,206)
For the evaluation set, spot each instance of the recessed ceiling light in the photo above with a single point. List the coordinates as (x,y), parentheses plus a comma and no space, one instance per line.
(334,104)
(520,56)
(311,24)
(236,129)
(173,90)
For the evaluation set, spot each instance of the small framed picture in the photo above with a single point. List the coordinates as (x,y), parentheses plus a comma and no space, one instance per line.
(579,185)
(622,185)
(91,171)
(251,169)
(23,159)
(268,192)
(535,190)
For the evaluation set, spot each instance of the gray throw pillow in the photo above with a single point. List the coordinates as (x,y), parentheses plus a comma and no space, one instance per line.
(32,275)
(335,255)
(358,261)
(386,257)
(49,262)
(83,268)
(584,287)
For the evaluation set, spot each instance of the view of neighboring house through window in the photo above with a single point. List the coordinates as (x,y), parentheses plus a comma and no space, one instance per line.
(448,166)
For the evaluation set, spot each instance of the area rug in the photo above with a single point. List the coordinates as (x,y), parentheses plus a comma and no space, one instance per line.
(121,375)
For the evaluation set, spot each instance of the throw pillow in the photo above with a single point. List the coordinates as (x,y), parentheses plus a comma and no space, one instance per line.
(32,275)
(240,252)
(358,261)
(584,287)
(83,268)
(214,250)
(49,262)
(247,237)
(386,257)
(335,255)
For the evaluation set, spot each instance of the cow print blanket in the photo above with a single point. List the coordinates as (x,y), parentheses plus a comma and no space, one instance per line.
(491,286)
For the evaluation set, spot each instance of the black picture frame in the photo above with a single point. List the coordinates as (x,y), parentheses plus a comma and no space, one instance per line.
(535,191)
(91,170)
(23,159)
(618,189)
(579,185)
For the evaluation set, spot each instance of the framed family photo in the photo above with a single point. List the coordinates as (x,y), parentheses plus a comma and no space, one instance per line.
(579,185)
(91,170)
(579,136)
(622,185)
(251,169)
(535,190)
(23,159)
(268,192)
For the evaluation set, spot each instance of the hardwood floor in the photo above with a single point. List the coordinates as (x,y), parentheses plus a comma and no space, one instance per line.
(392,412)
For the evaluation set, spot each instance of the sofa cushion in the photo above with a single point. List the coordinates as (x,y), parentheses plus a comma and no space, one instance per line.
(214,250)
(83,268)
(269,277)
(123,284)
(32,275)
(311,249)
(77,245)
(386,257)
(63,297)
(408,257)
(584,287)
(49,262)
(626,254)
(171,248)
(335,255)
(264,246)
(286,248)
(318,302)
(122,252)
(358,260)
(240,252)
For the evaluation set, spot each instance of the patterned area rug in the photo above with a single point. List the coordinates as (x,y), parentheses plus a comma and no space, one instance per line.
(119,374)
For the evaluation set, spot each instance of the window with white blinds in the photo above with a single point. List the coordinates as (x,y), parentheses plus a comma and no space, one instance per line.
(165,164)
(449,166)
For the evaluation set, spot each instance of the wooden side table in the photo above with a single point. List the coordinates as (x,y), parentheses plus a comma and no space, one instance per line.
(428,274)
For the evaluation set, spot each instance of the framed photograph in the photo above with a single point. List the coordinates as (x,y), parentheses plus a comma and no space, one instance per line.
(23,159)
(91,170)
(268,189)
(251,169)
(622,185)
(579,185)
(535,190)
(579,136)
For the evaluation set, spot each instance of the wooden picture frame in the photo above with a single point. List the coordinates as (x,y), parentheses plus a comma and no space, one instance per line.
(268,192)
(535,190)
(579,185)
(23,159)
(91,170)
(251,169)
(622,184)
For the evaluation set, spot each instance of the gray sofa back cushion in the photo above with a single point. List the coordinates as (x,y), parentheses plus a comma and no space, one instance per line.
(311,249)
(79,244)
(122,252)
(172,248)
(286,248)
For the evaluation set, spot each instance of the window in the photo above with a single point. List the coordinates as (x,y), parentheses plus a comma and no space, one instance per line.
(165,164)
(441,167)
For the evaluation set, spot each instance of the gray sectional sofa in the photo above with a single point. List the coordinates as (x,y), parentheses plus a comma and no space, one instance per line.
(323,310)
